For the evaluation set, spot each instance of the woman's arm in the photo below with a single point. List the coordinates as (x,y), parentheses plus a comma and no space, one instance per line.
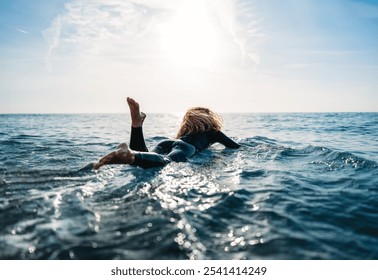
(220,137)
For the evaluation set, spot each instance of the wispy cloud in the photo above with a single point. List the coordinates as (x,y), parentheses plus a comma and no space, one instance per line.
(52,36)
(21,30)
(130,28)
(242,24)
(103,27)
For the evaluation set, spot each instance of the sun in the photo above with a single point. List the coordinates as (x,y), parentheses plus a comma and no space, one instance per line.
(189,39)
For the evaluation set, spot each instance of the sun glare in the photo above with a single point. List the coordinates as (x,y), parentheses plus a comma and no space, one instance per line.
(190,38)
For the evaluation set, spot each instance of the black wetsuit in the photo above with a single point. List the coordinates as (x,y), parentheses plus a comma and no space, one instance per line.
(178,150)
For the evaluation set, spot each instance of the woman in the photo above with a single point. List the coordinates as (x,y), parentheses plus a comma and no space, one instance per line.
(199,129)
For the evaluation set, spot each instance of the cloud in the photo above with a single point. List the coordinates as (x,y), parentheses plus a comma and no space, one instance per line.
(114,28)
(52,36)
(130,29)
(21,30)
(242,23)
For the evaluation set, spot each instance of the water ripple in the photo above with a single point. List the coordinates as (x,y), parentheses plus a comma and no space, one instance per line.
(298,192)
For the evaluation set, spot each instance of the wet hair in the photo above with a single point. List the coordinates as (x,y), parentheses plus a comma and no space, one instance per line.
(199,119)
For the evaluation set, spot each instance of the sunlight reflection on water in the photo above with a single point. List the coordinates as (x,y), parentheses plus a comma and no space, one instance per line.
(280,196)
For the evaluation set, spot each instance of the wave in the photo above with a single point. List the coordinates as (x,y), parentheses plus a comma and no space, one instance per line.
(268,199)
(316,154)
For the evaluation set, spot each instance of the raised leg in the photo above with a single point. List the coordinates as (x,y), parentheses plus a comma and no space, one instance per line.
(137,142)
(137,117)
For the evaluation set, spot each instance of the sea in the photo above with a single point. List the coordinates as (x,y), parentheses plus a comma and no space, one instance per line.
(302,186)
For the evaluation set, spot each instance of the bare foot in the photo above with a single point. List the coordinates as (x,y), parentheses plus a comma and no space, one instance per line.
(123,155)
(137,117)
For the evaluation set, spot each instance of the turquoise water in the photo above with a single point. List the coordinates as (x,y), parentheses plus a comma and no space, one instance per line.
(302,186)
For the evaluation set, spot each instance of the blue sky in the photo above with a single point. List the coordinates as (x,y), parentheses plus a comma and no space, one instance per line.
(230,55)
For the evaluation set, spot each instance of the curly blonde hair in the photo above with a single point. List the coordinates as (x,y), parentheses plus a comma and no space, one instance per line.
(199,119)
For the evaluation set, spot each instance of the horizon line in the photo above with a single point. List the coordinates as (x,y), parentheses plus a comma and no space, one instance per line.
(178,112)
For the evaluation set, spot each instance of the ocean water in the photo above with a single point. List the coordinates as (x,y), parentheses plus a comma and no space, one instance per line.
(302,186)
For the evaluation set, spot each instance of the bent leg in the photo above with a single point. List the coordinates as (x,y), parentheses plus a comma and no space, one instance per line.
(137,117)
(137,142)
(180,152)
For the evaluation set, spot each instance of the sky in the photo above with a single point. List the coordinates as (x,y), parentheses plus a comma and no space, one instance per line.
(87,56)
